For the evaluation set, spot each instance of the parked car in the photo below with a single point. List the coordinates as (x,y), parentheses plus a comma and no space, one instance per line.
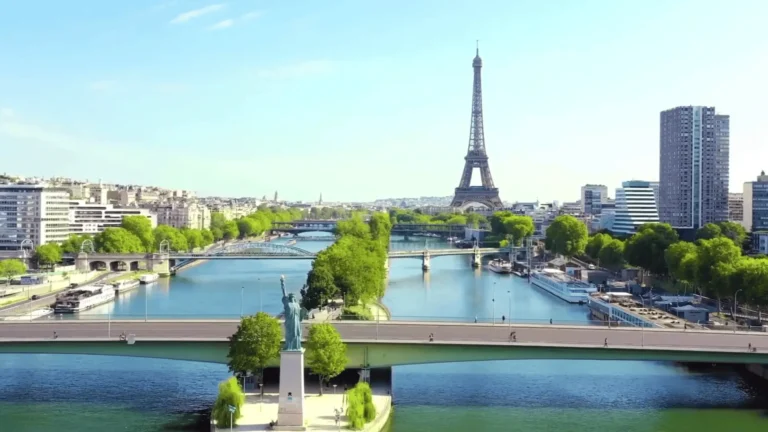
(73,285)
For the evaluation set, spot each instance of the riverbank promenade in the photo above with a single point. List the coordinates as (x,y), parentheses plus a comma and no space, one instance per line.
(320,410)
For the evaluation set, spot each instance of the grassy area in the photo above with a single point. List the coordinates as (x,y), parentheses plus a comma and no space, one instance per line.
(130,276)
(357,312)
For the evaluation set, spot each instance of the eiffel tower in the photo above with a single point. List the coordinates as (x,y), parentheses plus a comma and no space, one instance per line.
(476,157)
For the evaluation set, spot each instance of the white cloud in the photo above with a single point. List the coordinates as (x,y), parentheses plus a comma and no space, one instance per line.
(222,24)
(252,15)
(196,13)
(6,112)
(298,70)
(103,85)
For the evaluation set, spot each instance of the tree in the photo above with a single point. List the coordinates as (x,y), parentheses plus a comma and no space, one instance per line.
(230,394)
(256,342)
(497,221)
(320,287)
(612,255)
(708,232)
(10,268)
(117,240)
(73,243)
(474,220)
(326,353)
(141,227)
(207,237)
(715,263)
(354,227)
(733,231)
(176,240)
(681,261)
(230,230)
(518,228)
(48,254)
(567,236)
(646,248)
(380,227)
(595,243)
(194,238)
(247,227)
(751,276)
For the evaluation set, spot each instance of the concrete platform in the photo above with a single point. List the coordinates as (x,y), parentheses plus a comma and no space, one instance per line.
(319,410)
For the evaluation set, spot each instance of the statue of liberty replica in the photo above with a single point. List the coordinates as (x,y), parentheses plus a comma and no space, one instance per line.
(293,314)
(290,411)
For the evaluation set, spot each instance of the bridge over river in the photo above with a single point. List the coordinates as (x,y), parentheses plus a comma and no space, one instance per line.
(391,343)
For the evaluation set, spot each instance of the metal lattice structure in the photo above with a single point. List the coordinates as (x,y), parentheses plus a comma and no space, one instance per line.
(476,157)
(260,248)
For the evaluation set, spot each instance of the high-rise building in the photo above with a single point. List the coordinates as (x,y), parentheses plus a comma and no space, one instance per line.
(756,204)
(693,166)
(38,213)
(592,198)
(736,207)
(635,206)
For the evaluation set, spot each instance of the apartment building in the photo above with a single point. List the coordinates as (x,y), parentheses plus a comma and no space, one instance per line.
(35,212)
(736,207)
(91,218)
(635,206)
(592,198)
(693,166)
(183,214)
(755,200)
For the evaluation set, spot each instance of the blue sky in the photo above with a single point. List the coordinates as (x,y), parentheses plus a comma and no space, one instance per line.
(362,99)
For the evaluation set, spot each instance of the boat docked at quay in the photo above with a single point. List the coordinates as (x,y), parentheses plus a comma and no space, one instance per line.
(562,285)
(35,314)
(84,298)
(499,265)
(149,278)
(125,285)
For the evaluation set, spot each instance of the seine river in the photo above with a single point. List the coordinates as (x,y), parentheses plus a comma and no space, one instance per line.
(41,393)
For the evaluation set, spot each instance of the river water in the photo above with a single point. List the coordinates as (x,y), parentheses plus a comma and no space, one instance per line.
(41,393)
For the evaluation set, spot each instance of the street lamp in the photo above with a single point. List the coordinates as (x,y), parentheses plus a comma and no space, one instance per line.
(509,316)
(242,293)
(735,304)
(493,301)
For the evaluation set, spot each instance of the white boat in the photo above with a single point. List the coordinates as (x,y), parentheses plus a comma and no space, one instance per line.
(451,239)
(563,286)
(35,314)
(83,298)
(149,278)
(500,266)
(125,285)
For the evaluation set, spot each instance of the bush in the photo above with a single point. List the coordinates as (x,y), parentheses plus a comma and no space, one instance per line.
(360,408)
(357,313)
(229,394)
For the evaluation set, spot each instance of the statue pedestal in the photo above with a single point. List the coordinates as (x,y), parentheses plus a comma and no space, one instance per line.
(290,408)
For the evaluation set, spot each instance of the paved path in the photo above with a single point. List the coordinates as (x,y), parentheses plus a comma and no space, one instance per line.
(403,332)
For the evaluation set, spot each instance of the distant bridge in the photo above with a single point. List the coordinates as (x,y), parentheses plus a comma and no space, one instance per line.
(303,226)
(168,263)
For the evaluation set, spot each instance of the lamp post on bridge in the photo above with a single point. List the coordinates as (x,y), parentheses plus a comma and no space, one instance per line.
(493,301)
(509,317)
(242,293)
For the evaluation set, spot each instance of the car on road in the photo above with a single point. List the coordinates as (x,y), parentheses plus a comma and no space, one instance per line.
(591,266)
(73,285)
(35,297)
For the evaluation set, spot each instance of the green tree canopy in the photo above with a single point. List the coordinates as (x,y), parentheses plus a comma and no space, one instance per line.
(380,227)
(12,267)
(647,246)
(567,236)
(141,227)
(48,254)
(320,287)
(248,227)
(256,342)
(595,244)
(326,353)
(354,227)
(176,240)
(681,258)
(497,221)
(474,220)
(751,277)
(612,255)
(194,238)
(708,232)
(207,237)
(229,394)
(73,243)
(733,231)
(117,240)
(230,230)
(518,228)
(715,264)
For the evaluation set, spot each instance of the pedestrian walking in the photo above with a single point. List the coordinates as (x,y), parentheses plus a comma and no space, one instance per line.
(606,342)
(749,347)
(475,319)
(55,336)
(503,318)
(550,321)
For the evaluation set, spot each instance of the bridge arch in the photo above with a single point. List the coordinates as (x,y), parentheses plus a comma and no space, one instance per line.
(98,265)
(118,266)
(262,248)
(135,265)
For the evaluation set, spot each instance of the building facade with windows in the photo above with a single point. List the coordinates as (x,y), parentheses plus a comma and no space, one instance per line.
(185,214)
(736,207)
(635,206)
(592,198)
(693,166)
(755,199)
(91,218)
(38,213)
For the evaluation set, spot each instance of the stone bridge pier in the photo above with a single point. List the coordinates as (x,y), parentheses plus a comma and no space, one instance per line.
(425,261)
(476,259)
(159,263)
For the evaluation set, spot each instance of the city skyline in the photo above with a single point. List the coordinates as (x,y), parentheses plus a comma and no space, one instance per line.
(241,99)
